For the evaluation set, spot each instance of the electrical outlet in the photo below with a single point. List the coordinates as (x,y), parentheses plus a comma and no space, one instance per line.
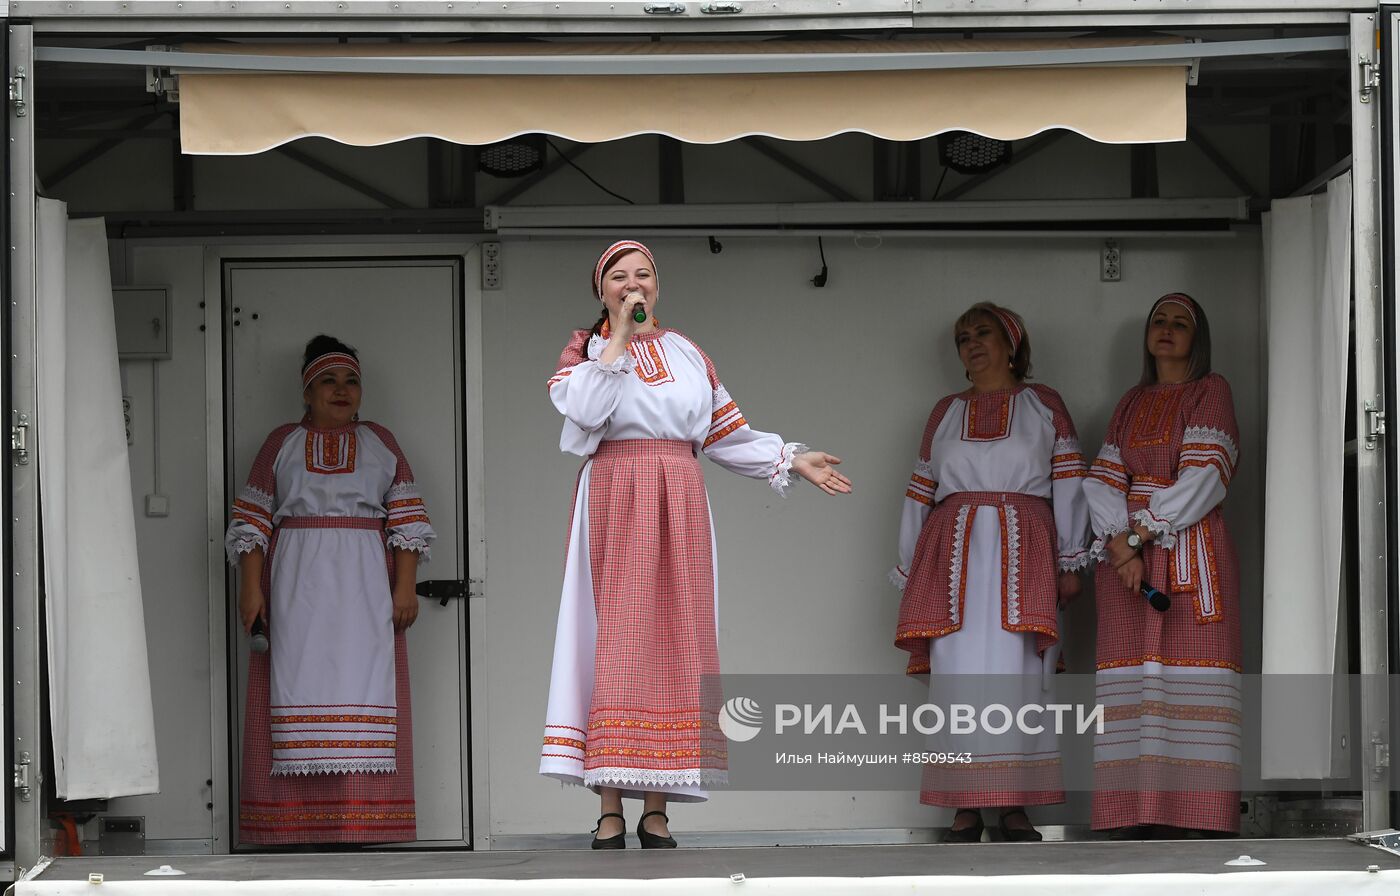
(126,416)
(1112,267)
(491,273)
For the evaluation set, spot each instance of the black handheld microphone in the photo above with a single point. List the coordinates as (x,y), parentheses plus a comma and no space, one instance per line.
(257,635)
(1159,601)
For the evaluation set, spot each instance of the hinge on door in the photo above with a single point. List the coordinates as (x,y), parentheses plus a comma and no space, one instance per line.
(443,590)
(17,91)
(22,777)
(1370,77)
(1375,422)
(19,438)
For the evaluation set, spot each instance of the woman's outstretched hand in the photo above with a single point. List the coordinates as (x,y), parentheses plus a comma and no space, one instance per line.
(818,468)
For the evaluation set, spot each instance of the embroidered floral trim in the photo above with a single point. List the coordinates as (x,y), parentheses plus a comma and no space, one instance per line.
(401,491)
(284,767)
(1098,551)
(1012,584)
(244,543)
(684,777)
(1080,559)
(1162,529)
(899,578)
(411,543)
(781,477)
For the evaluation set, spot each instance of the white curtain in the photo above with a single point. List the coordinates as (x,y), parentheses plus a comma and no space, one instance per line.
(1307,257)
(99,680)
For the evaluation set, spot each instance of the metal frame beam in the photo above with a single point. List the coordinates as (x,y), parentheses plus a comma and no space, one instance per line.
(93,153)
(1217,158)
(693,63)
(331,172)
(768,151)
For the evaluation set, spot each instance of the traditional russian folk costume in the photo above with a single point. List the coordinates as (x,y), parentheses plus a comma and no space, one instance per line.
(1170,681)
(994,511)
(629,705)
(328,736)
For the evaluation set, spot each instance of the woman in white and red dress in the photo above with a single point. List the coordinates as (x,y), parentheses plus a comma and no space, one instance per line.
(637,619)
(327,535)
(994,531)
(1169,757)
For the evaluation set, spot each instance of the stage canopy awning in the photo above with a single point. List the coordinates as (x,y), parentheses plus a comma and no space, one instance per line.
(1110,90)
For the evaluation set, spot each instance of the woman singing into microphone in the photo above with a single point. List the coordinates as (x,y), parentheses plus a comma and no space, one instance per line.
(637,622)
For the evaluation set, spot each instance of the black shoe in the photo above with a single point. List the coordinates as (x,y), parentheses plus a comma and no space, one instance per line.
(1017,835)
(1132,832)
(650,840)
(969,834)
(616,841)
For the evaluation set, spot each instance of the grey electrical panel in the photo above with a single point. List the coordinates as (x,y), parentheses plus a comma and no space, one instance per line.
(143,322)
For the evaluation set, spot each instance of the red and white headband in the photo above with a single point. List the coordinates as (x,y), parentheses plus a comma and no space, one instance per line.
(618,248)
(1176,298)
(328,361)
(1014,333)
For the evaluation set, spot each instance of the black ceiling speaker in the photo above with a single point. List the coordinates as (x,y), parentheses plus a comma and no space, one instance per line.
(515,157)
(968,153)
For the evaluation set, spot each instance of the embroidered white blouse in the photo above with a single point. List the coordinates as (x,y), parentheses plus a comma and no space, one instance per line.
(1019,440)
(662,387)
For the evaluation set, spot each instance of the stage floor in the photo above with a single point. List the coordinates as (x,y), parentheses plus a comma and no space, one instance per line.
(1168,867)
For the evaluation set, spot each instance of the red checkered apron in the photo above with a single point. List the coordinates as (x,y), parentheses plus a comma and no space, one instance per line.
(652,561)
(350,808)
(933,606)
(934,597)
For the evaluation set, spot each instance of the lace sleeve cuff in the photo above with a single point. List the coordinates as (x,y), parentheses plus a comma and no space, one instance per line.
(1098,551)
(1162,529)
(239,543)
(1075,561)
(899,578)
(782,472)
(623,364)
(411,543)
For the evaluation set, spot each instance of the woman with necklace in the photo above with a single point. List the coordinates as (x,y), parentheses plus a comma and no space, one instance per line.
(993,535)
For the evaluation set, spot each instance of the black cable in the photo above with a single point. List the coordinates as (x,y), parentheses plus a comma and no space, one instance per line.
(820,280)
(940,181)
(586,174)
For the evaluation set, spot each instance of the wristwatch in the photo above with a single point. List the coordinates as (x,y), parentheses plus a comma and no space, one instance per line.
(1134,540)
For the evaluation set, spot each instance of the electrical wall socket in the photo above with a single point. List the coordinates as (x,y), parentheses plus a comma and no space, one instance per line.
(1112,267)
(126,415)
(491,267)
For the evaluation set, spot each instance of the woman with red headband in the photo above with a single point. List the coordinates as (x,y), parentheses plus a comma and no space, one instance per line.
(327,535)
(1169,676)
(993,535)
(637,624)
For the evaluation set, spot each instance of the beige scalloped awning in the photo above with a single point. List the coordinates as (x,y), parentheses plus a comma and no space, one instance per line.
(238,113)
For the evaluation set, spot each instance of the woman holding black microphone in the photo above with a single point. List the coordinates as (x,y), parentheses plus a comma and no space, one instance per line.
(1168,673)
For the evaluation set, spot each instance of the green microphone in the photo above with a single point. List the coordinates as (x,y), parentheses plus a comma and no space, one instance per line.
(639,313)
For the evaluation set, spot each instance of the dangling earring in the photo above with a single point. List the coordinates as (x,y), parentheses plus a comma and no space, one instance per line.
(356,417)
